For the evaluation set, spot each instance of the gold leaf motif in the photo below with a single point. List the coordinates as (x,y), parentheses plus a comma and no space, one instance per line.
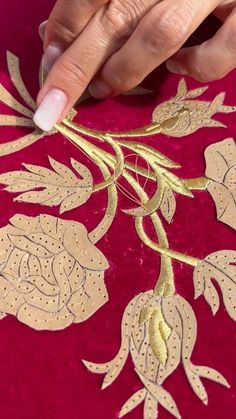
(195,373)
(133,402)
(59,186)
(211,296)
(150,407)
(51,275)
(162,396)
(14,71)
(221,170)
(168,205)
(189,326)
(221,267)
(114,367)
(197,385)
(17,145)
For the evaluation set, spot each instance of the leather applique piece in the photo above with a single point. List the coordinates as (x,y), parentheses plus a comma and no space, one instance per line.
(182,115)
(59,186)
(220,266)
(221,170)
(51,275)
(159,333)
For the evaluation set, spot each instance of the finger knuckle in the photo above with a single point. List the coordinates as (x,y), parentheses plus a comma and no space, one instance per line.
(231,38)
(115,79)
(120,19)
(168,30)
(207,73)
(72,72)
(60,32)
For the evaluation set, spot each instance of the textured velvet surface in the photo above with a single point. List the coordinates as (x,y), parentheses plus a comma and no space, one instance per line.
(41,372)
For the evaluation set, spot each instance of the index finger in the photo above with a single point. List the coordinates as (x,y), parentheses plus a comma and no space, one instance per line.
(68,19)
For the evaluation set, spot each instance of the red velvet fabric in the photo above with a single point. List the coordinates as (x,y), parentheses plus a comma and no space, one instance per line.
(41,372)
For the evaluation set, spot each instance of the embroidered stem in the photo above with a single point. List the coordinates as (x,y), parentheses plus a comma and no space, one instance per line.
(147,131)
(91,151)
(189,260)
(110,213)
(197,184)
(97,154)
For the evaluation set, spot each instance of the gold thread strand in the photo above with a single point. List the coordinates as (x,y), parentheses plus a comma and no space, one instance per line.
(93,152)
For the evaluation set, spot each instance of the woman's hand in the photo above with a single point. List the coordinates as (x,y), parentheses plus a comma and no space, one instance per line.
(121,42)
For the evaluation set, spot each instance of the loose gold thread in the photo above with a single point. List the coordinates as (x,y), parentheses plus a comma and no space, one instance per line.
(93,152)
(102,228)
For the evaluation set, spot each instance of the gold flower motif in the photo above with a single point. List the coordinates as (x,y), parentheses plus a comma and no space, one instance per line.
(182,116)
(221,170)
(159,333)
(51,275)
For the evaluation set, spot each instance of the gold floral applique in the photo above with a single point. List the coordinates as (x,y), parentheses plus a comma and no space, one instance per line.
(51,275)
(221,171)
(51,271)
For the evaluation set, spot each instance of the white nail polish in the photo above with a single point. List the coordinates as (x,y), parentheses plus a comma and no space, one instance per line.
(52,53)
(42,28)
(50,109)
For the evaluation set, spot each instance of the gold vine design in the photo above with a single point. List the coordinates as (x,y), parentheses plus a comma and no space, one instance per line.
(159,327)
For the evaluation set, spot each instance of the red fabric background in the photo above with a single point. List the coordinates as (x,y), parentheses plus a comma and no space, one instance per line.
(41,372)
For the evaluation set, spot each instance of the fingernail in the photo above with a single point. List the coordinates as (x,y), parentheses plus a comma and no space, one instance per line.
(99,89)
(175,67)
(42,28)
(50,109)
(52,53)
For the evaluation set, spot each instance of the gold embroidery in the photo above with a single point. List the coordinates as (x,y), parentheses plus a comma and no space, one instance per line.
(51,275)
(221,172)
(59,186)
(55,272)
(191,114)
(168,204)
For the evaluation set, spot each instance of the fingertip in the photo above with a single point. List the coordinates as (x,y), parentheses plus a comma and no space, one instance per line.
(50,110)
(176,67)
(99,89)
(42,30)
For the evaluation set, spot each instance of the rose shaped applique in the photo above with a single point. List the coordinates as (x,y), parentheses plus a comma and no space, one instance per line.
(221,171)
(51,275)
